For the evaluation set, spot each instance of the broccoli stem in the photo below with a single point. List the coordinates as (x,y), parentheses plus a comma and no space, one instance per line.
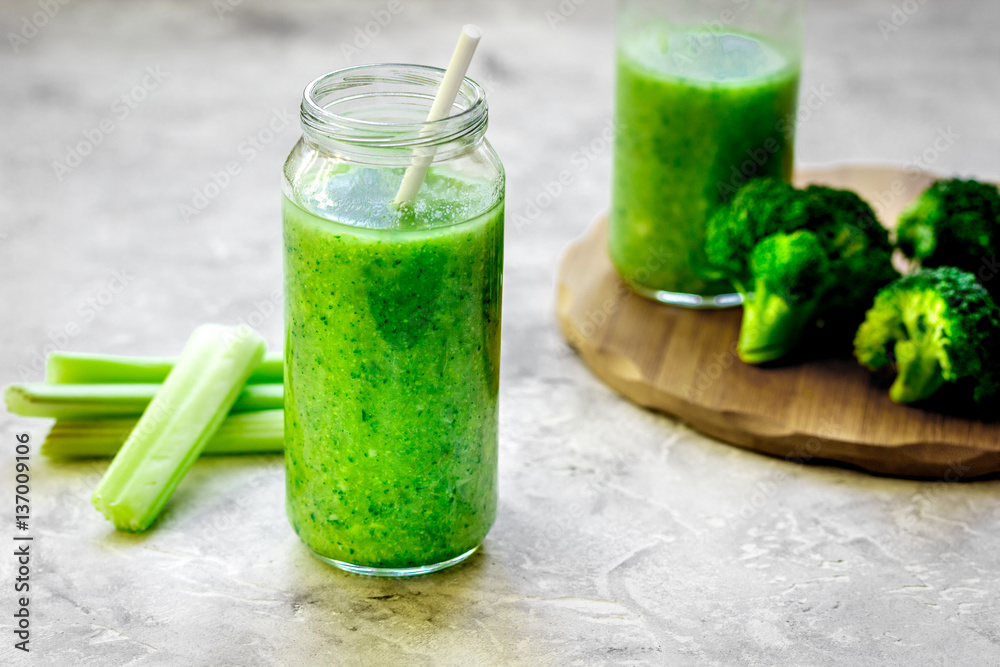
(918,375)
(771,326)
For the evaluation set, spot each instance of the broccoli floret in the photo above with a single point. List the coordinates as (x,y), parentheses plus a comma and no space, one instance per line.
(796,279)
(938,325)
(859,247)
(758,209)
(791,277)
(954,222)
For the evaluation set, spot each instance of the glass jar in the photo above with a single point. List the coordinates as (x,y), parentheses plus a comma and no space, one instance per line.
(705,99)
(392,317)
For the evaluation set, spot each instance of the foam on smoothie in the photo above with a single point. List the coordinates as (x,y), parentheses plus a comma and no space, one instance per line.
(363,197)
(704,55)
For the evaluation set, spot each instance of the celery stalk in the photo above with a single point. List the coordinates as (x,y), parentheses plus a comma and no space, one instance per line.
(85,368)
(95,401)
(183,416)
(259,432)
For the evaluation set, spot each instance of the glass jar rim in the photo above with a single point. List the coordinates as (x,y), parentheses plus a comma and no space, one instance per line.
(320,123)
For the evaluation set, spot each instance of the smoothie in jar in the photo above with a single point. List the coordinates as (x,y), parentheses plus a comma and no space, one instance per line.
(392,323)
(698,113)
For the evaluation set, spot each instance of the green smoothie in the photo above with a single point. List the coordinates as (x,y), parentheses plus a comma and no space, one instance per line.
(392,352)
(698,113)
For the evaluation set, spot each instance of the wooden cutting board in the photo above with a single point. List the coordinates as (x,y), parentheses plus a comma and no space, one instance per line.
(683,362)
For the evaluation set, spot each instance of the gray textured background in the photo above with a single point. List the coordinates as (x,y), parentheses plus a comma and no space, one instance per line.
(623,537)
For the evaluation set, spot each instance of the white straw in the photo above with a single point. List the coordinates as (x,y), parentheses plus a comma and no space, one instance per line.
(443,102)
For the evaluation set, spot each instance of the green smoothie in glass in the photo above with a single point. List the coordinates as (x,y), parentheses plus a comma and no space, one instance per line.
(699,111)
(392,350)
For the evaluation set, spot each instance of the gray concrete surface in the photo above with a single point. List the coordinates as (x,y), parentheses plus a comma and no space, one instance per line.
(623,538)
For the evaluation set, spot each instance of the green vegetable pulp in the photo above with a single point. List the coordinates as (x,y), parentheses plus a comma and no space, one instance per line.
(698,113)
(392,354)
